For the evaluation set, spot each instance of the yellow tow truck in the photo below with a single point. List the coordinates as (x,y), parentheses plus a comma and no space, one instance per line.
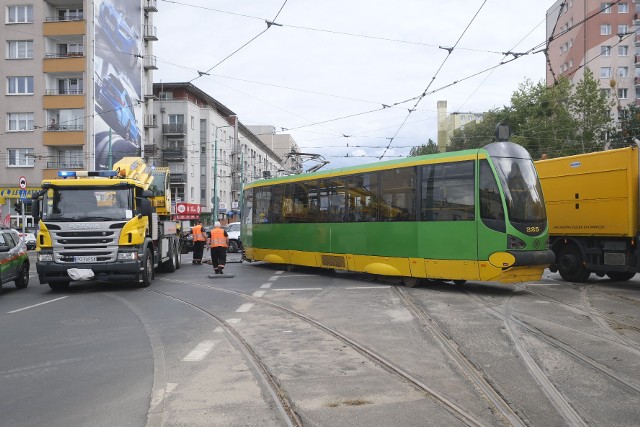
(110,226)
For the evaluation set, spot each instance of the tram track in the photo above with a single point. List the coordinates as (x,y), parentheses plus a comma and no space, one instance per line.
(476,376)
(628,383)
(439,398)
(268,382)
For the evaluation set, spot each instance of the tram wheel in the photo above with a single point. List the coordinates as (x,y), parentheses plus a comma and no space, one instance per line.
(620,276)
(410,282)
(570,265)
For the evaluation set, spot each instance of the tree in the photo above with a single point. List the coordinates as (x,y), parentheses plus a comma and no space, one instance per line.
(419,150)
(478,134)
(629,130)
(592,110)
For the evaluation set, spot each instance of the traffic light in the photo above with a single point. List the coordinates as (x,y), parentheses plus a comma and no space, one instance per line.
(18,207)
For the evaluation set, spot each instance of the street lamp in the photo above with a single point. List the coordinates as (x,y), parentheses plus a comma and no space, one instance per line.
(214,199)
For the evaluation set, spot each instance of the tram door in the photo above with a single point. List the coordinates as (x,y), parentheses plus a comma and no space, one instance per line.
(448,235)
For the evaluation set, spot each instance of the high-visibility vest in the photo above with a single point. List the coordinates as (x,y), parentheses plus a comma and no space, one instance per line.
(218,238)
(198,235)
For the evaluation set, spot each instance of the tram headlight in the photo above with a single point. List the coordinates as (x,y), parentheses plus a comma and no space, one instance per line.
(515,243)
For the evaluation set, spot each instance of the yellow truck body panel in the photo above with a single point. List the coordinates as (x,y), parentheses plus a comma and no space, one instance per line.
(593,194)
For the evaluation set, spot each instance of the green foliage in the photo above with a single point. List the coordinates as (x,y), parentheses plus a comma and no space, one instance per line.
(629,128)
(556,120)
(429,148)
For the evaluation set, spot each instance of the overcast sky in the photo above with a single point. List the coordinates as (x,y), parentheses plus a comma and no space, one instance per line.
(341,76)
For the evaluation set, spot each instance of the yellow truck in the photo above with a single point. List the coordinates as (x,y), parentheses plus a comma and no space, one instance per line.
(592,209)
(111,226)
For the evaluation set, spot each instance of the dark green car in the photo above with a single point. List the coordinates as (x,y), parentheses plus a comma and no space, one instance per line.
(14,260)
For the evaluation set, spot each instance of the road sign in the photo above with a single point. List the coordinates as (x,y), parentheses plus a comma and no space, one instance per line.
(23,194)
(23,182)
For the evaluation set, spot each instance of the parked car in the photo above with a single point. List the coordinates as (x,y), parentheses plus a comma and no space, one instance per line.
(233,230)
(14,258)
(29,238)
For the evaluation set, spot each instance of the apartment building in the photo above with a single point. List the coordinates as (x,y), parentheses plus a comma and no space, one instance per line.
(283,145)
(78,88)
(209,152)
(448,123)
(599,35)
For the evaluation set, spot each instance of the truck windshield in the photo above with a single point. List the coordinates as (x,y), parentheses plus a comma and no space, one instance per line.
(522,190)
(95,204)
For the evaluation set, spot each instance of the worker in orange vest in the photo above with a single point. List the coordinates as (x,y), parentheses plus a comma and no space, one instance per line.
(199,239)
(219,242)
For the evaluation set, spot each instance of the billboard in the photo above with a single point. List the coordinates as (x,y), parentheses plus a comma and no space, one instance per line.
(117,81)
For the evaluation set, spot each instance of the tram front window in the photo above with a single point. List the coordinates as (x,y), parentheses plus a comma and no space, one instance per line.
(522,190)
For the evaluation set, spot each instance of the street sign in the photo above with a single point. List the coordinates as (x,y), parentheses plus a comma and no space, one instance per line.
(23,182)
(23,194)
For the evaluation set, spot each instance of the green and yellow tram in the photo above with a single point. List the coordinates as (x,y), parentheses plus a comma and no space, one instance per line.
(468,215)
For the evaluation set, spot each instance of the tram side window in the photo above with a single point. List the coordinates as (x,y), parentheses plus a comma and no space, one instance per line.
(447,192)
(361,197)
(247,206)
(295,206)
(398,190)
(262,199)
(491,209)
(275,204)
(332,200)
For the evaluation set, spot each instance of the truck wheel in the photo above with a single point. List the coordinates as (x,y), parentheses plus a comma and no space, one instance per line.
(620,276)
(147,271)
(233,246)
(61,285)
(570,265)
(23,277)
(178,254)
(170,265)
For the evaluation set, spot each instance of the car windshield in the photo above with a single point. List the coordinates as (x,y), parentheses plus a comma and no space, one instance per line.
(78,204)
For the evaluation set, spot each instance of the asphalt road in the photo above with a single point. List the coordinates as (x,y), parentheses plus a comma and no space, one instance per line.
(302,347)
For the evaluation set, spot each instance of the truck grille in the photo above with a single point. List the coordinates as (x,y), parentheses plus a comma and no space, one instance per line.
(70,243)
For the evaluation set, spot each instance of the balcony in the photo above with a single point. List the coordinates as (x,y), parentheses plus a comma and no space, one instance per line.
(150,121)
(177,178)
(69,63)
(151,5)
(55,27)
(173,154)
(64,165)
(149,62)
(636,81)
(148,91)
(150,33)
(174,129)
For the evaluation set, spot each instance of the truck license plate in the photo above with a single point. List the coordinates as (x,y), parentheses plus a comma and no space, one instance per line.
(85,259)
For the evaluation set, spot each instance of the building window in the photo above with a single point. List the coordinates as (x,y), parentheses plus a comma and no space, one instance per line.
(605,29)
(571,43)
(570,63)
(70,86)
(637,93)
(623,8)
(70,14)
(605,7)
(19,49)
(605,50)
(20,157)
(19,122)
(623,29)
(623,50)
(605,92)
(19,14)
(605,72)
(622,93)
(623,71)
(20,85)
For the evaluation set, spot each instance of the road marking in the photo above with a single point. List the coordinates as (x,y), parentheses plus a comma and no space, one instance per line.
(299,289)
(258,294)
(368,287)
(272,278)
(279,271)
(218,330)
(244,308)
(35,305)
(265,286)
(200,351)
(232,321)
